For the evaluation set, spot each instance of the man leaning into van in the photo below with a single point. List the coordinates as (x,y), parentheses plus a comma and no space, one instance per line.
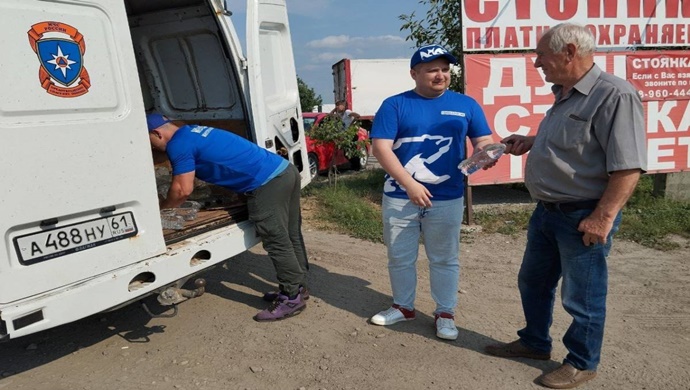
(271,184)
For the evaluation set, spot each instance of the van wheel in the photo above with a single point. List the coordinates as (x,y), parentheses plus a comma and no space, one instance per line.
(359,163)
(313,165)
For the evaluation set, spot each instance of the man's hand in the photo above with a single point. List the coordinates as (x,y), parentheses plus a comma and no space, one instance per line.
(595,228)
(418,194)
(518,145)
(479,144)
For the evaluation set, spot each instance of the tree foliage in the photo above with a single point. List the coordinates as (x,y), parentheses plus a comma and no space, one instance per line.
(331,131)
(307,97)
(441,25)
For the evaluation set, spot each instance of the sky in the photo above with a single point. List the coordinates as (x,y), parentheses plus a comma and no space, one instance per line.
(326,31)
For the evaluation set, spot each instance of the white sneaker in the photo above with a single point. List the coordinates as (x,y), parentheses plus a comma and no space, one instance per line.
(392,315)
(445,327)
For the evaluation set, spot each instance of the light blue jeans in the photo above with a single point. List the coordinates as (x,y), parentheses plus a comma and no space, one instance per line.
(439,226)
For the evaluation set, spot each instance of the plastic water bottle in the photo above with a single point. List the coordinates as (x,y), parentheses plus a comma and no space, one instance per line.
(188,210)
(479,160)
(171,220)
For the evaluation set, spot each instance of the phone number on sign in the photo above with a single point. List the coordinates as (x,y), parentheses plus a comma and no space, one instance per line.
(661,94)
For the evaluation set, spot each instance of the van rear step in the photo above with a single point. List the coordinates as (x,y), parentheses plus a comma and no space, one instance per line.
(207,220)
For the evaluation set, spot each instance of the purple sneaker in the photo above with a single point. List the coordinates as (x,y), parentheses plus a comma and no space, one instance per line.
(272,295)
(281,308)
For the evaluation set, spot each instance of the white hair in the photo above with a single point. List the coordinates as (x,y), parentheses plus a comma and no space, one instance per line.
(562,34)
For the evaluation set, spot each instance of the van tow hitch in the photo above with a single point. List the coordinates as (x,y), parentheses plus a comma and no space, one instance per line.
(171,296)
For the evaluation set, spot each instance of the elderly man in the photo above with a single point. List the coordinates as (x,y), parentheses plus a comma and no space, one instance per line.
(584,164)
(272,187)
(419,138)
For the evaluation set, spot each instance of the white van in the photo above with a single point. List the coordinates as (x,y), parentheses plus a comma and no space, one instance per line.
(79,210)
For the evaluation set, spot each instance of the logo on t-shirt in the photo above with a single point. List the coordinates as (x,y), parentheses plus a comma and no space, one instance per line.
(203,130)
(418,166)
(453,113)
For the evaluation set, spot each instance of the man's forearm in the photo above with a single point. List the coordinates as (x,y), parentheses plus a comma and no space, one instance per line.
(619,189)
(176,196)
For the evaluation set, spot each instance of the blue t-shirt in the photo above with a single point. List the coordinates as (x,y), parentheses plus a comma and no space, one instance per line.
(429,139)
(222,158)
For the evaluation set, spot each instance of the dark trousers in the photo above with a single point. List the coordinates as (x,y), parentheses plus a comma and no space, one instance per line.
(275,210)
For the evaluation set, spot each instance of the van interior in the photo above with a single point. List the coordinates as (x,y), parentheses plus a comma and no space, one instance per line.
(187,72)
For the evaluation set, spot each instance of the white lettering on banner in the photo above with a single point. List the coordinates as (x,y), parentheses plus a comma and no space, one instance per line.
(655,151)
(618,62)
(486,11)
(684,124)
(658,148)
(498,68)
(499,86)
(516,171)
(605,35)
(501,121)
(518,24)
(685,141)
(545,88)
(660,117)
(661,62)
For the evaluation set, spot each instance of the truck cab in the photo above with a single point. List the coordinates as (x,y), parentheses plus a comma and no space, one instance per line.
(78,206)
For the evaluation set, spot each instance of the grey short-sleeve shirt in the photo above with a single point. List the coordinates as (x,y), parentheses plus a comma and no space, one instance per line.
(596,129)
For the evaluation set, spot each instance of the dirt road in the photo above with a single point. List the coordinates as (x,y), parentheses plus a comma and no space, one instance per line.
(213,343)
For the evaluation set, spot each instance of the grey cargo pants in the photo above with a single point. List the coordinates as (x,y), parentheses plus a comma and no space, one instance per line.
(275,210)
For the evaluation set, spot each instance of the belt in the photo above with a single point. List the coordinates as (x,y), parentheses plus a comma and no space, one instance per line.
(568,207)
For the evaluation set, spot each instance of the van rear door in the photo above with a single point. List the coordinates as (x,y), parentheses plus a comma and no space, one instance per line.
(275,104)
(78,195)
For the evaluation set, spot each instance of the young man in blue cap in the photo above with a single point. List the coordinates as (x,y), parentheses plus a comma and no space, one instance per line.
(271,184)
(419,139)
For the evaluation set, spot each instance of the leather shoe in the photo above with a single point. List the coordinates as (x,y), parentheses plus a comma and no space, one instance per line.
(516,349)
(566,377)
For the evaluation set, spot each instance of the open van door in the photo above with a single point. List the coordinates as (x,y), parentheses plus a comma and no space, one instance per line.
(78,195)
(275,104)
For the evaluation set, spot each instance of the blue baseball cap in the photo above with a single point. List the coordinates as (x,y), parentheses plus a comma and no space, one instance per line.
(429,53)
(155,120)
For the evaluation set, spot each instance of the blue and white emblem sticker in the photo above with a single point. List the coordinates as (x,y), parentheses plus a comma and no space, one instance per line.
(60,49)
(61,59)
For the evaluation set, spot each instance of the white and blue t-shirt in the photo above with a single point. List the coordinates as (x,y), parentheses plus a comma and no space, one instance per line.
(429,139)
(222,158)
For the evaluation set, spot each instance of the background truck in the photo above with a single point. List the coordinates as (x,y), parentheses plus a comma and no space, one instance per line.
(364,84)
(79,216)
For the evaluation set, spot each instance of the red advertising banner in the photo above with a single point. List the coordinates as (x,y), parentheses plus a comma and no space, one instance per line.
(515,97)
(660,76)
(517,24)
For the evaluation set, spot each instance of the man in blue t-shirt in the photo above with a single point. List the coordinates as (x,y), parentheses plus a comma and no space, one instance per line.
(419,139)
(271,184)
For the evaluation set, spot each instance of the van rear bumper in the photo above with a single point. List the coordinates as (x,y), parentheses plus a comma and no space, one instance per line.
(115,288)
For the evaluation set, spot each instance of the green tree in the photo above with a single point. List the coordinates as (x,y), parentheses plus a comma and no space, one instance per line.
(441,25)
(307,97)
(331,131)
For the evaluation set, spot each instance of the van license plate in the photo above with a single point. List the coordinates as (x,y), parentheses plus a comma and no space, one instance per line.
(49,244)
